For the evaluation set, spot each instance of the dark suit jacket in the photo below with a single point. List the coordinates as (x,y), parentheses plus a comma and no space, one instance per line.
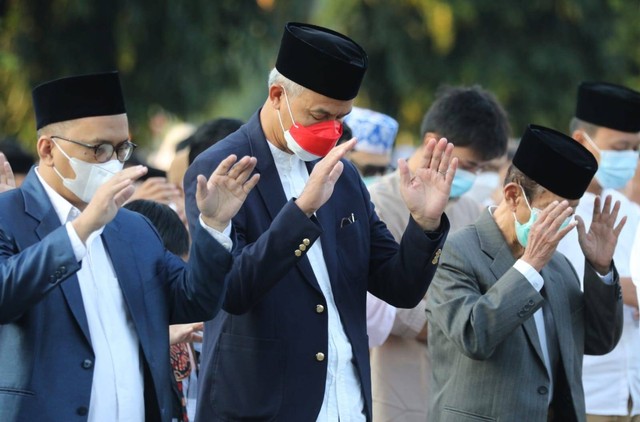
(46,358)
(485,350)
(259,358)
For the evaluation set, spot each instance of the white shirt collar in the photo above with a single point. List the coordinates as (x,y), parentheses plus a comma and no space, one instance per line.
(282,159)
(63,208)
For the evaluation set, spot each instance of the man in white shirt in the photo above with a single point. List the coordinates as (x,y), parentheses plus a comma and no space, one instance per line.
(607,123)
(87,290)
(291,344)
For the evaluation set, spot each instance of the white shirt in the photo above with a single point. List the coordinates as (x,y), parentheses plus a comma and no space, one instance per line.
(609,380)
(380,318)
(343,399)
(117,387)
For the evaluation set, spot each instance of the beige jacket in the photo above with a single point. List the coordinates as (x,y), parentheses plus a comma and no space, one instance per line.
(401,367)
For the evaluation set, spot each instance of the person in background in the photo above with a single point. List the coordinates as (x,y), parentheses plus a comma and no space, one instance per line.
(607,123)
(291,344)
(473,120)
(508,322)
(375,133)
(87,289)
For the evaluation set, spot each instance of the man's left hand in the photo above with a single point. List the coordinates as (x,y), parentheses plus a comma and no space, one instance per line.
(220,197)
(600,242)
(426,193)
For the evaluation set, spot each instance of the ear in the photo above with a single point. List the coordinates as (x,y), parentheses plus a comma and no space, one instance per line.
(44,147)
(276,96)
(512,195)
(578,135)
(428,136)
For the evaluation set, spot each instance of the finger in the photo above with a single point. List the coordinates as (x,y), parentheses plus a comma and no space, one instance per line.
(197,326)
(336,172)
(558,219)
(224,166)
(251,183)
(121,197)
(544,213)
(620,226)
(597,202)
(405,175)
(446,158)
(239,167)
(249,166)
(195,338)
(563,232)
(606,208)
(582,229)
(451,171)
(3,178)
(614,214)
(201,187)
(438,152)
(340,151)
(8,173)
(428,152)
(132,173)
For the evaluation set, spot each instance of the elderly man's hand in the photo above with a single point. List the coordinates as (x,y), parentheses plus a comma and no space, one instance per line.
(7,181)
(220,198)
(600,242)
(426,193)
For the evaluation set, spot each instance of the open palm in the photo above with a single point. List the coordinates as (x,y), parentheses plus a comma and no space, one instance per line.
(599,243)
(220,197)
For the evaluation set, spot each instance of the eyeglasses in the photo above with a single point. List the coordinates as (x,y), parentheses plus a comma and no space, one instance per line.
(104,150)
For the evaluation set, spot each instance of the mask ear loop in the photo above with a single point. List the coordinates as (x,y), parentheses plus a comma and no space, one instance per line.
(593,144)
(63,153)
(526,202)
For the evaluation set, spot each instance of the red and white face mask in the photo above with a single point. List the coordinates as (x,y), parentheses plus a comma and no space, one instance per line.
(311,142)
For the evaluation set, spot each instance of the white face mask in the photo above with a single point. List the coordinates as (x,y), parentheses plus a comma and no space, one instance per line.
(89,177)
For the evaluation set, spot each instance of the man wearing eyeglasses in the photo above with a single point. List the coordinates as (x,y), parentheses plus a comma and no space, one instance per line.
(87,290)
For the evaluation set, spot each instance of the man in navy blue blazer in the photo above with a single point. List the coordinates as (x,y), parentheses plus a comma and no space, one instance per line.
(87,289)
(291,342)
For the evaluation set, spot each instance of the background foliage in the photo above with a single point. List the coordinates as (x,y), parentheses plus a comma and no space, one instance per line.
(199,59)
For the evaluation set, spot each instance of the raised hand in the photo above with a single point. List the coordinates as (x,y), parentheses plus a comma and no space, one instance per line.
(220,197)
(426,193)
(323,178)
(106,202)
(157,189)
(599,244)
(7,181)
(545,234)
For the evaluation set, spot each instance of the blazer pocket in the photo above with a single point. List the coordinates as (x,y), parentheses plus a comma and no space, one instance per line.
(16,392)
(352,250)
(249,378)
(450,414)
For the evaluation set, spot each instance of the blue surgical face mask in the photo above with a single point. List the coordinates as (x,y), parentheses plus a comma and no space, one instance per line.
(523,229)
(616,168)
(462,182)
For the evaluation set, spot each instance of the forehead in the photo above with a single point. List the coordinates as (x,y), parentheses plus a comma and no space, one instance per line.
(105,128)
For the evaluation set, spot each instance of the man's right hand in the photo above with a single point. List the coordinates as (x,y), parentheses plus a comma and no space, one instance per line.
(7,181)
(323,178)
(545,234)
(109,198)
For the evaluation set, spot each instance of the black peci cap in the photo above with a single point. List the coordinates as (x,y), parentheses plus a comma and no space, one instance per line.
(75,97)
(608,105)
(555,161)
(322,60)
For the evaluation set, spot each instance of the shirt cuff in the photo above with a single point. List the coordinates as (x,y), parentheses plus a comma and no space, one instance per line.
(607,278)
(222,237)
(79,250)
(530,273)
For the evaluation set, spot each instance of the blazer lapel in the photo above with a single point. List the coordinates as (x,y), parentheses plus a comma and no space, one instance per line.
(270,187)
(38,206)
(493,244)
(129,278)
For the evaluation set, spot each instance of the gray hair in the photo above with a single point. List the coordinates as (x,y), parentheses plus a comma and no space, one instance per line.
(577,124)
(57,128)
(293,89)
